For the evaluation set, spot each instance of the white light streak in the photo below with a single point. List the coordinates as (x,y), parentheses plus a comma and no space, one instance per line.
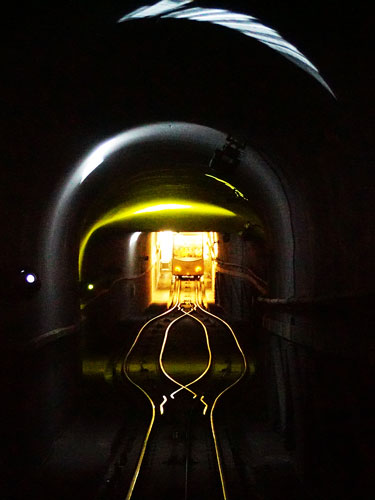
(160,208)
(156,9)
(165,239)
(244,23)
(97,157)
(103,151)
(134,238)
(165,399)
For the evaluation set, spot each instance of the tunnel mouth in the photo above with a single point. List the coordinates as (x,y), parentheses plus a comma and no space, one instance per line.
(160,164)
(182,199)
(141,187)
(129,217)
(143,267)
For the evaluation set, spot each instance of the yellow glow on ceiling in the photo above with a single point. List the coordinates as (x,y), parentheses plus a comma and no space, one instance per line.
(160,208)
(156,206)
(237,192)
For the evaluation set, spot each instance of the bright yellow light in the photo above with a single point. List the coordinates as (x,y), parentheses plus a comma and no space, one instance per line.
(197,269)
(177,269)
(160,208)
(236,191)
(126,212)
(90,286)
(205,405)
(165,239)
(215,245)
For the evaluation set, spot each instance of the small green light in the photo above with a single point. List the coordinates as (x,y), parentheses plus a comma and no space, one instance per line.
(90,286)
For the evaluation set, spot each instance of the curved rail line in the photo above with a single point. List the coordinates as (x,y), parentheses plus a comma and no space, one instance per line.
(192,308)
(209,362)
(219,460)
(124,372)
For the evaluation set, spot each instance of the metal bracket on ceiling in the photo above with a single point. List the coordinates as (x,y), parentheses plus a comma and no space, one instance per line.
(226,159)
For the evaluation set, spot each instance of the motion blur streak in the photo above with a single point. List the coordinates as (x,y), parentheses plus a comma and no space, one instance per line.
(244,23)
(156,10)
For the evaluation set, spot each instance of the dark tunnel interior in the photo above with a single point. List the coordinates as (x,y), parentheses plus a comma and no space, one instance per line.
(187,252)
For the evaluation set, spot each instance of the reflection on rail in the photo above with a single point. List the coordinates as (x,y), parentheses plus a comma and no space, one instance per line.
(186,303)
(125,372)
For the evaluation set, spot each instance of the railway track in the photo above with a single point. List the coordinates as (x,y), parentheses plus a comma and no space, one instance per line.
(182,361)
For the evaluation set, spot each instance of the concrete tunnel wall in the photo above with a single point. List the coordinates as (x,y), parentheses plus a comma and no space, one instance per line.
(57,303)
(179,144)
(123,274)
(278,324)
(320,355)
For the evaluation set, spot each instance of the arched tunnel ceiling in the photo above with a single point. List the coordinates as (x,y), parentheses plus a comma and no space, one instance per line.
(166,199)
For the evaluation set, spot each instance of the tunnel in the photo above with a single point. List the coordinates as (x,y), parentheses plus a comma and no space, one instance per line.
(187,254)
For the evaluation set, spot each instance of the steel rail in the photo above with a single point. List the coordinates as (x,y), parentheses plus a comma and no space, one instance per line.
(161,357)
(187,452)
(209,362)
(218,458)
(124,371)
